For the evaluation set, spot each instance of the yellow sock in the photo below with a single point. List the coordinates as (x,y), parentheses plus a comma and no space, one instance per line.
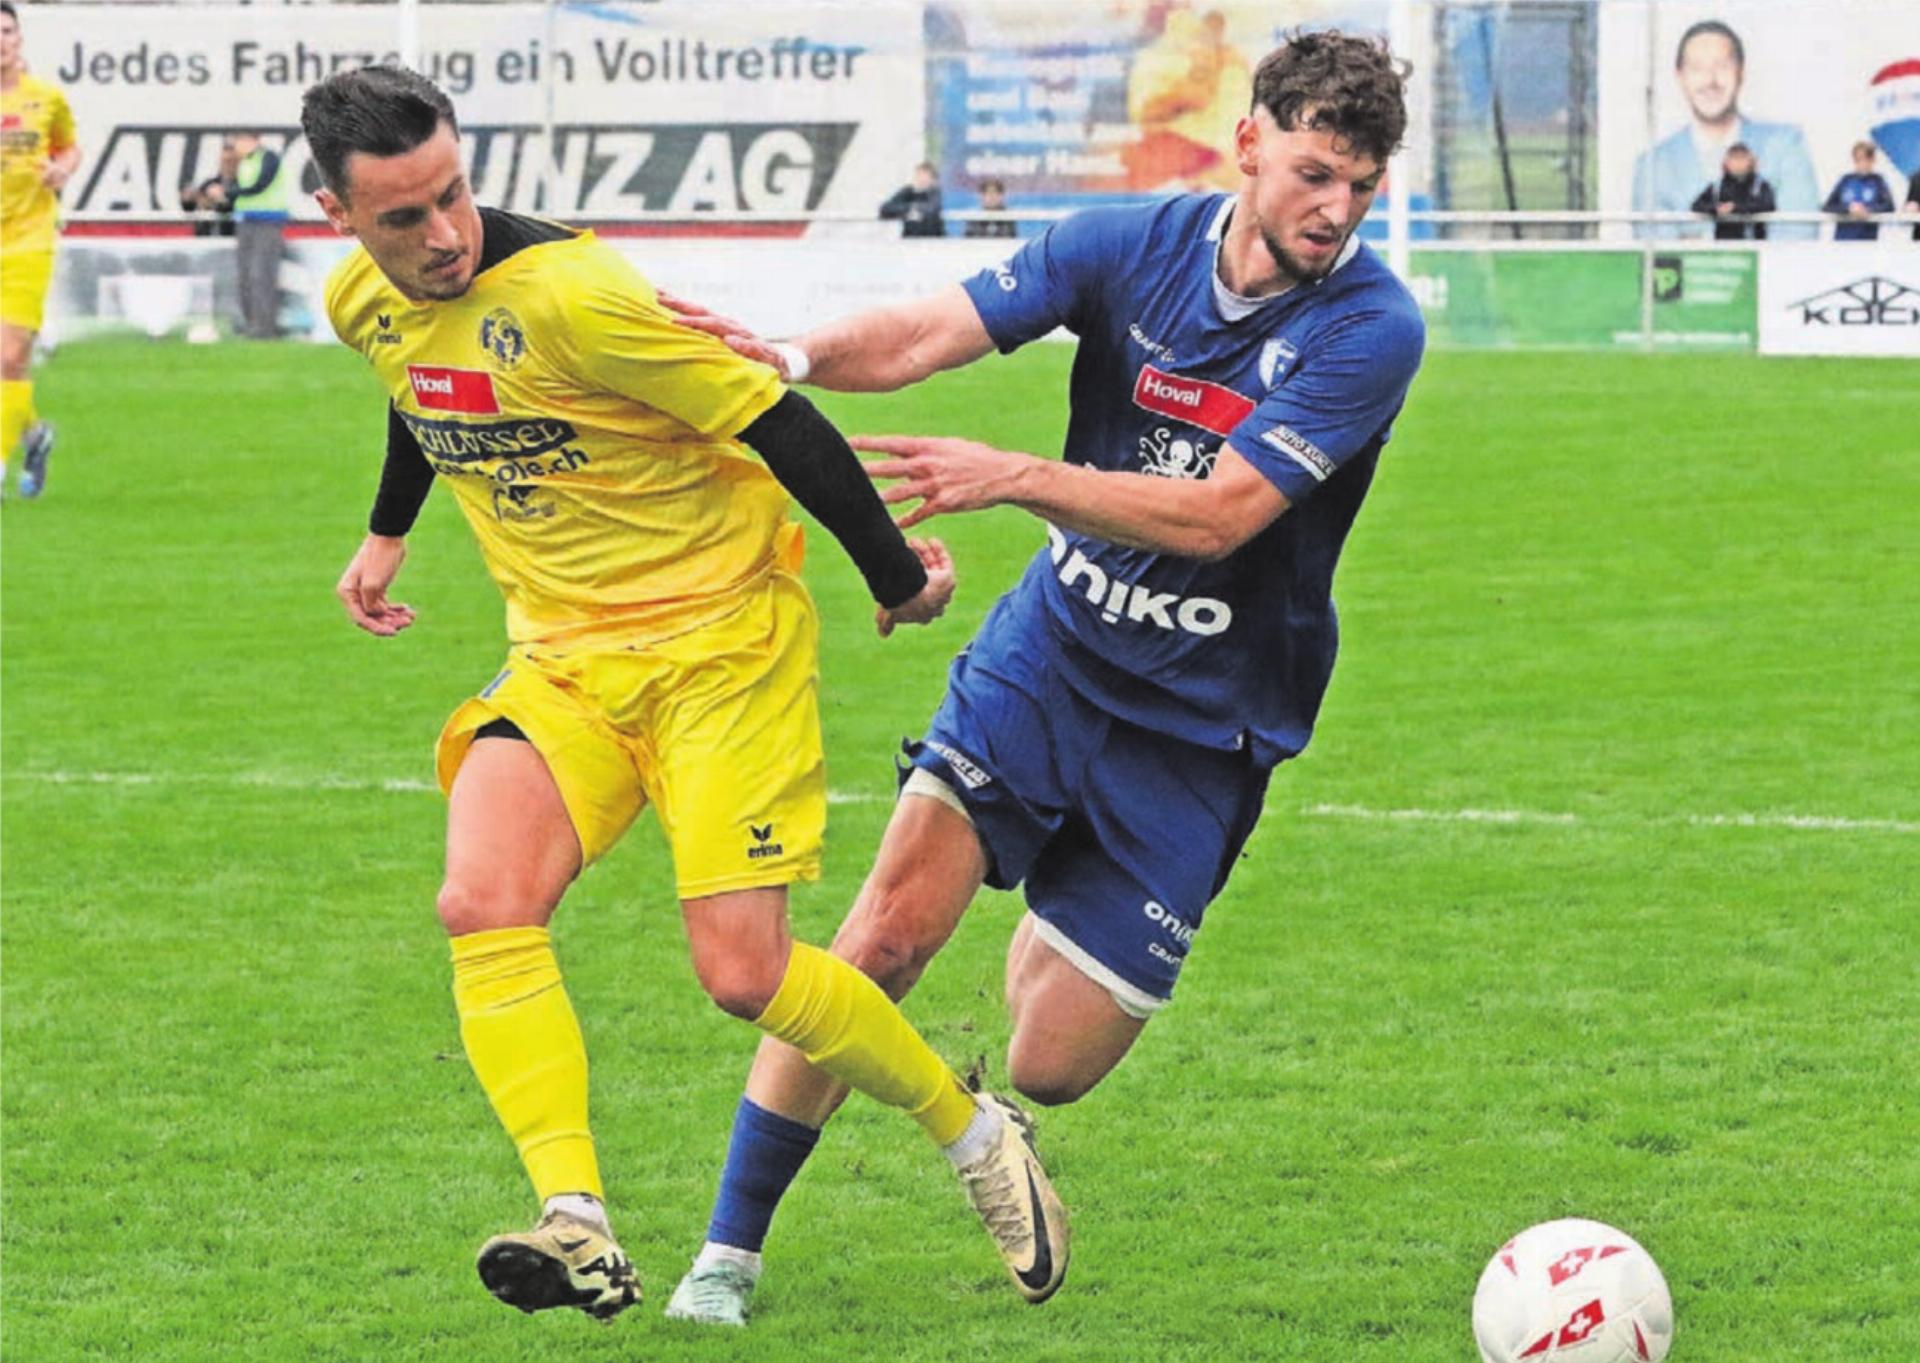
(843,1022)
(16,414)
(524,1044)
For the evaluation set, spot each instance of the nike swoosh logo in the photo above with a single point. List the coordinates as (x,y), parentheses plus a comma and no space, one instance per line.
(1041,1272)
(569,1246)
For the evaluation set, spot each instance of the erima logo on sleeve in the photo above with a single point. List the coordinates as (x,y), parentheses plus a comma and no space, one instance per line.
(453,390)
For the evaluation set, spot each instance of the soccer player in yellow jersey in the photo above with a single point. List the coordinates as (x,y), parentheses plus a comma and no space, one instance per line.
(663,652)
(38,155)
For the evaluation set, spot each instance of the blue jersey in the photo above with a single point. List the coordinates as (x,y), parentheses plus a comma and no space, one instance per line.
(1304,386)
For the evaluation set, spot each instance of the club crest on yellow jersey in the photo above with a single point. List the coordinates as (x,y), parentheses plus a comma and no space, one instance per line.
(503,338)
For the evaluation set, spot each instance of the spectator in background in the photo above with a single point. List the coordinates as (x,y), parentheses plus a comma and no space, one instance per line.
(1740,193)
(1710,65)
(258,193)
(210,196)
(916,206)
(1912,204)
(1858,194)
(993,199)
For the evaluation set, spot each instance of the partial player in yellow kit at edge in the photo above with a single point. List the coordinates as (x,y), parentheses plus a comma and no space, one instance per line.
(663,652)
(38,155)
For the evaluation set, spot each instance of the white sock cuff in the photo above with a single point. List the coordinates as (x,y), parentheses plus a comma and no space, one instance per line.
(978,1138)
(582,1206)
(713,1252)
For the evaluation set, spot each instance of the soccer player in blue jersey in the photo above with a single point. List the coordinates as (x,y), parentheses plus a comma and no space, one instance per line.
(1107,738)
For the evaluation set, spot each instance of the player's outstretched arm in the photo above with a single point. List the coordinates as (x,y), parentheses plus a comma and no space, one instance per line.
(911,584)
(1202,518)
(876,351)
(405,479)
(363,587)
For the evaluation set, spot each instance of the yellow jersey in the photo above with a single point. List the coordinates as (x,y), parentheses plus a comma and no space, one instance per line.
(587,437)
(35,123)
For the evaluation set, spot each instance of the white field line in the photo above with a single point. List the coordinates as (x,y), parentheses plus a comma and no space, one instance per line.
(1809,823)
(1820,823)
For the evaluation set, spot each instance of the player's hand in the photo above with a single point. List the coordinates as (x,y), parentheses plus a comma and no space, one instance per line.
(1724,209)
(54,175)
(931,603)
(739,337)
(363,587)
(944,473)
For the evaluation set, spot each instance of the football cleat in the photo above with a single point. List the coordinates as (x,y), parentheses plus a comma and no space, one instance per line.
(563,1261)
(1011,1192)
(35,446)
(718,1294)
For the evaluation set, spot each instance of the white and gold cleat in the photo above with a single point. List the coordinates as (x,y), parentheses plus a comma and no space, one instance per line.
(563,1261)
(1010,1190)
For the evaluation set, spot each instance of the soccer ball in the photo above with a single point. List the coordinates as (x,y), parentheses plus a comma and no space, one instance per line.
(1572,1292)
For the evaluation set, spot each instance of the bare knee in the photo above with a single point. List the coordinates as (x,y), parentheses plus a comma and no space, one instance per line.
(1049,1080)
(740,983)
(889,939)
(468,905)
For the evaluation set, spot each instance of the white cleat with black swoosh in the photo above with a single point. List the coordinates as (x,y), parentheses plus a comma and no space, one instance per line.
(1016,1201)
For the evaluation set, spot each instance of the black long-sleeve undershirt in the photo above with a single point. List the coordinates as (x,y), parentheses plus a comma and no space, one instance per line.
(813,461)
(405,480)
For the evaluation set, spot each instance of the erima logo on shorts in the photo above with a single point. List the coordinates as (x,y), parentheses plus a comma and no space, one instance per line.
(453,390)
(1301,450)
(763,843)
(964,767)
(1133,601)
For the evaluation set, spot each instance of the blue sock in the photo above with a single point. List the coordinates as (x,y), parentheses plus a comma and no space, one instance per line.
(763,1158)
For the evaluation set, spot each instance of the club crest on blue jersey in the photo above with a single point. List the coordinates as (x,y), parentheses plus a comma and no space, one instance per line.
(503,338)
(1275,356)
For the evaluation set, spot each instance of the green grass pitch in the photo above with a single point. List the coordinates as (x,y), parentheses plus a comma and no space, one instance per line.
(1595,896)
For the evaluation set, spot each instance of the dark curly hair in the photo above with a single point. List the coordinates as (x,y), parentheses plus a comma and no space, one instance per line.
(1336,82)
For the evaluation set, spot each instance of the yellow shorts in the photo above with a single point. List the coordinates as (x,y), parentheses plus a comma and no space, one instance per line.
(718,729)
(24,276)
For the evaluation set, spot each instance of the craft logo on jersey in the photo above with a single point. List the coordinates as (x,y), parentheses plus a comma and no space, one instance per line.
(503,338)
(453,390)
(1166,455)
(1194,401)
(763,843)
(1275,356)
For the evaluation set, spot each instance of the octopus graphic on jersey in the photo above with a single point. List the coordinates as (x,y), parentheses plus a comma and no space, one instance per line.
(1168,456)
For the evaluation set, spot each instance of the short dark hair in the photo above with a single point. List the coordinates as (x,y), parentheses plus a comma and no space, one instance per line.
(375,110)
(997,185)
(1739,149)
(1336,82)
(1712,26)
(6,8)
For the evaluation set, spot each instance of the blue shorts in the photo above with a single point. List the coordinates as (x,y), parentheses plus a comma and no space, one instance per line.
(1121,836)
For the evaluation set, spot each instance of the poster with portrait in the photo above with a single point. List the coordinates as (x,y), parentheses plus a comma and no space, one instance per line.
(1797,84)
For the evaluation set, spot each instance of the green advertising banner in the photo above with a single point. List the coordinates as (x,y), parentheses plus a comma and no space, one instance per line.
(1701,299)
